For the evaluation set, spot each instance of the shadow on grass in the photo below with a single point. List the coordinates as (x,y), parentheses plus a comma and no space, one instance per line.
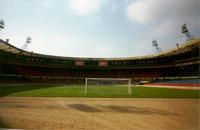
(8,89)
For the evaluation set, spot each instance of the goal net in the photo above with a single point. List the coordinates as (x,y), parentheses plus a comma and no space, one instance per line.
(108,85)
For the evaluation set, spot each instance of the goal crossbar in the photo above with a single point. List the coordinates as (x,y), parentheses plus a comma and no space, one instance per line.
(109,79)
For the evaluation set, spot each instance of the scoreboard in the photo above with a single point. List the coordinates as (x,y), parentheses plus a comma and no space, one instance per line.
(103,63)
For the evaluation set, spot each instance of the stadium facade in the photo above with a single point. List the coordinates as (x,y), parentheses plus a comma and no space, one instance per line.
(19,66)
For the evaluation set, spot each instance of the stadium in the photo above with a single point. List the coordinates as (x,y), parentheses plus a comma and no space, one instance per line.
(170,74)
(178,66)
(154,91)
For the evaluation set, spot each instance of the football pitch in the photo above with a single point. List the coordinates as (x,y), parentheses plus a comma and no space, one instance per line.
(28,106)
(109,91)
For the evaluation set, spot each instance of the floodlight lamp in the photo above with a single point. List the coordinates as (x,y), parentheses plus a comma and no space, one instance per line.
(186,31)
(7,40)
(2,24)
(28,40)
(154,42)
(184,28)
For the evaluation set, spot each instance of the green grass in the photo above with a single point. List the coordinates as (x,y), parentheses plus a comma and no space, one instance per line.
(101,91)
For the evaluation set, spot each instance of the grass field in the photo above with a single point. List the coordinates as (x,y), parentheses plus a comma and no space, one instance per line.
(103,91)
(148,108)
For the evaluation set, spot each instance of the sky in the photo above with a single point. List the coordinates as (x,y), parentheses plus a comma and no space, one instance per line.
(98,28)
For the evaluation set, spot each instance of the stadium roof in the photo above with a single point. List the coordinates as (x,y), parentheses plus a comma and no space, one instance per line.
(185,47)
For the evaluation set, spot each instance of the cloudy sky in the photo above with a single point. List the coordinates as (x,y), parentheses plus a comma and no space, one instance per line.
(98,28)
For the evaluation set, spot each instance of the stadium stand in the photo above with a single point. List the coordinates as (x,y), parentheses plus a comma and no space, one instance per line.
(17,65)
(177,81)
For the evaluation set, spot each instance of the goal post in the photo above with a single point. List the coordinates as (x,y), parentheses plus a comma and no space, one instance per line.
(129,80)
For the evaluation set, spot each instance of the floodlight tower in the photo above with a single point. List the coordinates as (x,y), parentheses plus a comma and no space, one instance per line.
(187,32)
(177,45)
(2,24)
(28,41)
(155,44)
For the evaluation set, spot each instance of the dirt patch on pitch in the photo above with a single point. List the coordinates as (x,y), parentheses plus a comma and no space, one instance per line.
(99,113)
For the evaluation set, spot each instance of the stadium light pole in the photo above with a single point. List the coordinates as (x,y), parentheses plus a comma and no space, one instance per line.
(2,24)
(28,41)
(177,45)
(186,31)
(155,44)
